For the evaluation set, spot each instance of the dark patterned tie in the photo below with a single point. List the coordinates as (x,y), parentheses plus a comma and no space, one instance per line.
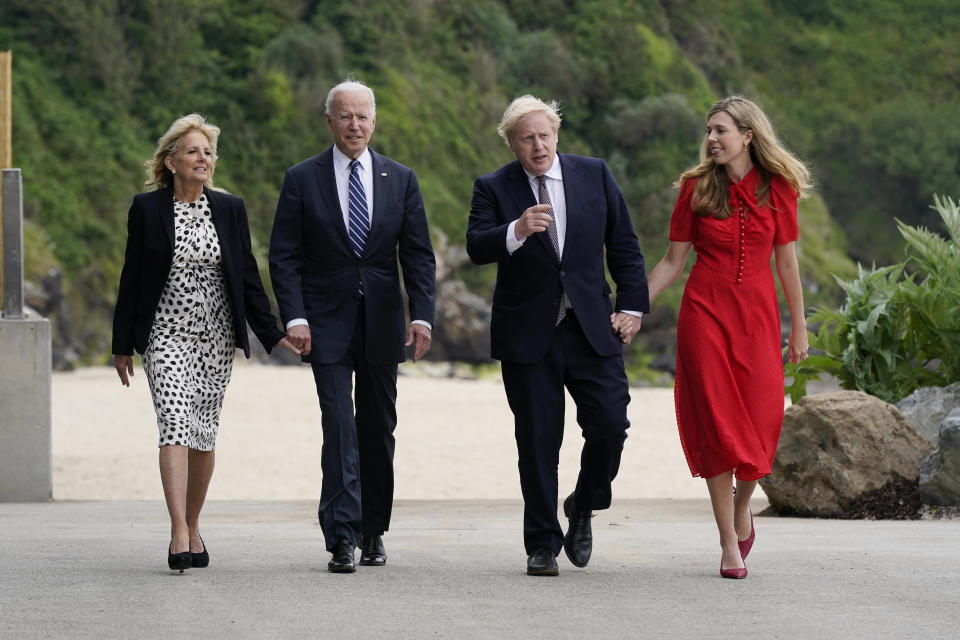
(544,196)
(359,225)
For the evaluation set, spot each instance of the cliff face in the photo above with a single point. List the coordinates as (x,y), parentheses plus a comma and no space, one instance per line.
(865,92)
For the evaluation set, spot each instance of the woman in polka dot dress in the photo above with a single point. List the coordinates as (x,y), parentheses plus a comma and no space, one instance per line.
(188,288)
(735,209)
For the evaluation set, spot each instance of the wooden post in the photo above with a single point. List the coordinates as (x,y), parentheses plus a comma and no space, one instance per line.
(6,130)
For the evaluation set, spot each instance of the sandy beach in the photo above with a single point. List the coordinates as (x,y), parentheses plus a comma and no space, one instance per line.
(454,440)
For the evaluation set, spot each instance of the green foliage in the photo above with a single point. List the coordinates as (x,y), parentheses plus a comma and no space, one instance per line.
(899,328)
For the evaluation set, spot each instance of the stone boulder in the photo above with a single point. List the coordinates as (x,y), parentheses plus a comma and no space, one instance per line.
(940,474)
(834,447)
(461,329)
(926,408)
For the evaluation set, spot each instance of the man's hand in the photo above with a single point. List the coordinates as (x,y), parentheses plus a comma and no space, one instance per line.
(286,344)
(625,325)
(124,366)
(299,337)
(419,336)
(533,220)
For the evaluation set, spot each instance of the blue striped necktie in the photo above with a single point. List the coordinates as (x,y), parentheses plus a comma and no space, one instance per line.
(359,225)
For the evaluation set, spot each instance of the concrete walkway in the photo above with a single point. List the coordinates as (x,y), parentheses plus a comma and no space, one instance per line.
(456,570)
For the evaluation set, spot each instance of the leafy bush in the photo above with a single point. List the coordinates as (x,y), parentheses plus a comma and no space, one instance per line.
(899,328)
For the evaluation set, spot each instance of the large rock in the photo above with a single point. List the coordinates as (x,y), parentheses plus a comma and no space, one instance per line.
(461,329)
(836,446)
(940,474)
(926,408)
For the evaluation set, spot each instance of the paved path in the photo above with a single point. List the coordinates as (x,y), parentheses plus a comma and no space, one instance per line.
(456,570)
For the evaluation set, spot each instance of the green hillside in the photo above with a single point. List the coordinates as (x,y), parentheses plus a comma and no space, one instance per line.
(867,93)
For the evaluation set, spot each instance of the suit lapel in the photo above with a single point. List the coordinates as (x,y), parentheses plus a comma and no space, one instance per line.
(326,178)
(382,183)
(573,195)
(221,224)
(165,207)
(522,194)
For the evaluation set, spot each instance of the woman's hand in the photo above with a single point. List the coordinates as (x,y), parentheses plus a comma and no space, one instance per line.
(286,344)
(124,366)
(797,346)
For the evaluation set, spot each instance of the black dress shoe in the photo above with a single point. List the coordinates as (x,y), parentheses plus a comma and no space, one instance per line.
(202,559)
(578,543)
(542,563)
(178,561)
(372,553)
(341,560)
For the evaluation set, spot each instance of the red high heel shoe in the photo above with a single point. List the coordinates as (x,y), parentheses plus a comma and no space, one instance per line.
(746,545)
(736,574)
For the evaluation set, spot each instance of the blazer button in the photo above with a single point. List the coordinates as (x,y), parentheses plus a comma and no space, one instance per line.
(562,273)
(555,302)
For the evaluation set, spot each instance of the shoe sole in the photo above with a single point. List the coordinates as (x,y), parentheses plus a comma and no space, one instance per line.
(341,569)
(373,563)
(543,572)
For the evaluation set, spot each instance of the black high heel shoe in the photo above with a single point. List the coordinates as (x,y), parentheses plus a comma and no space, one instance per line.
(202,559)
(179,561)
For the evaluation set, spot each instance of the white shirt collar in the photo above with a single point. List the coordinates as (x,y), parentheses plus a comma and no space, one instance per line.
(342,162)
(553,172)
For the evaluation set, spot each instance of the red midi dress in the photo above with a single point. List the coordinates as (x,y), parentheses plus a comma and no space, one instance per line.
(729,383)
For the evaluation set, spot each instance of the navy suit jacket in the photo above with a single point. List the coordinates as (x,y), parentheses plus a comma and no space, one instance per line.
(317,276)
(530,282)
(149,255)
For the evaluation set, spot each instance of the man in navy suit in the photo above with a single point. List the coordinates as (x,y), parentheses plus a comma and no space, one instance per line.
(547,220)
(344,219)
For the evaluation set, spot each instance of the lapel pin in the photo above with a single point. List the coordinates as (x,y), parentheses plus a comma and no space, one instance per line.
(383,174)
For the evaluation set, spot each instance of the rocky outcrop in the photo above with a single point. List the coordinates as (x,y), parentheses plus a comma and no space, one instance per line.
(461,328)
(940,474)
(837,446)
(926,408)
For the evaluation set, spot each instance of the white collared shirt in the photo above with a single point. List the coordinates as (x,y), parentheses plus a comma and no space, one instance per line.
(558,200)
(341,170)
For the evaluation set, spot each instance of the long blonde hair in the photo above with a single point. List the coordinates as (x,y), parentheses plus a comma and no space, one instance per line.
(711,195)
(158,175)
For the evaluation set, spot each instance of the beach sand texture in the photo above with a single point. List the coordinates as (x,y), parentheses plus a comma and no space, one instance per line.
(454,440)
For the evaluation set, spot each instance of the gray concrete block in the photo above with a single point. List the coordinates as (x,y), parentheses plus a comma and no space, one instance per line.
(25,410)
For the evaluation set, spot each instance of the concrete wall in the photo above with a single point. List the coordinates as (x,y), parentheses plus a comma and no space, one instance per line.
(25,411)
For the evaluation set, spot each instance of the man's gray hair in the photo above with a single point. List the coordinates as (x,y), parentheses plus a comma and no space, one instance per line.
(524,106)
(349,85)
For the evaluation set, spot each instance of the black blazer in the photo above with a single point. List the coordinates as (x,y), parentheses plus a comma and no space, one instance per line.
(317,276)
(149,255)
(531,281)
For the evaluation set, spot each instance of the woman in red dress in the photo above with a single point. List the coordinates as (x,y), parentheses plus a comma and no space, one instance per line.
(736,208)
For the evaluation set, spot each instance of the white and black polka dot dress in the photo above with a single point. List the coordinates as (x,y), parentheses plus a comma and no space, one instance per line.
(189,356)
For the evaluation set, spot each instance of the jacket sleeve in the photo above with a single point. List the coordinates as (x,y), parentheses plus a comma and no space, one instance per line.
(416,256)
(286,251)
(486,239)
(125,312)
(255,301)
(624,258)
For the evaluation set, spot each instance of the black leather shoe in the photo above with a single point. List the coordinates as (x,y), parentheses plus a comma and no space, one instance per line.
(202,559)
(341,560)
(372,553)
(578,543)
(542,563)
(178,561)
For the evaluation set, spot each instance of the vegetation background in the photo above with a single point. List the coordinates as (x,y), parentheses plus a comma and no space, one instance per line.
(866,91)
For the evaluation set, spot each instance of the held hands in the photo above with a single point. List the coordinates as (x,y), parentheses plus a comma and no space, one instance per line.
(298,339)
(419,334)
(124,366)
(286,344)
(797,346)
(625,325)
(533,220)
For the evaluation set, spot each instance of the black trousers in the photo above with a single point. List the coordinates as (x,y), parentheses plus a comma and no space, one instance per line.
(535,392)
(356,496)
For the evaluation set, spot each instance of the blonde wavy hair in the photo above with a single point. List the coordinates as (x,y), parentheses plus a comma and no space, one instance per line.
(158,175)
(711,195)
(524,106)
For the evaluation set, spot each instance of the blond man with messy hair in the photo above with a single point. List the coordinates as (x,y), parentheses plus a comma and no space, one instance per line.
(548,220)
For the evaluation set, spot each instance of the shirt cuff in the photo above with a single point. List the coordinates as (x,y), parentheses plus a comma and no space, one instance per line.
(512,243)
(639,314)
(296,321)
(423,322)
